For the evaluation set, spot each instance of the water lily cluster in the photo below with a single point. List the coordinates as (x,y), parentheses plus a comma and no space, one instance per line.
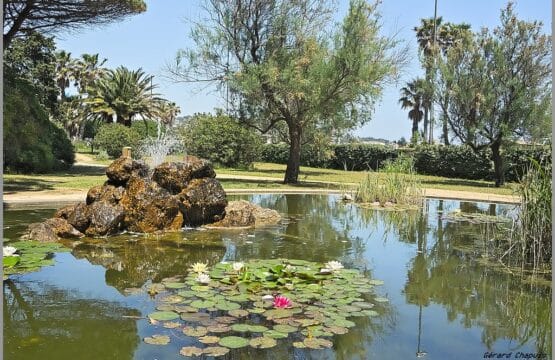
(256,303)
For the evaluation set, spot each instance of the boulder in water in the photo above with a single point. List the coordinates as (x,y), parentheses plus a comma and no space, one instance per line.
(202,202)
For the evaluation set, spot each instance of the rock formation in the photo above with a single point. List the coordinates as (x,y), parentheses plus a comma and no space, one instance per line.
(171,196)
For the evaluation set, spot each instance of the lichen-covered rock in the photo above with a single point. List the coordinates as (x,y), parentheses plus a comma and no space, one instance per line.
(105,218)
(202,202)
(51,230)
(123,168)
(106,192)
(175,176)
(149,208)
(76,215)
(245,214)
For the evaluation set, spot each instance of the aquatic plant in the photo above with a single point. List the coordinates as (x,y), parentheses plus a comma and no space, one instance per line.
(9,251)
(281,302)
(203,278)
(199,268)
(32,256)
(397,184)
(310,305)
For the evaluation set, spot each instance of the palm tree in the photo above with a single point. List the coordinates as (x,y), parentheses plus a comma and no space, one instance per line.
(65,72)
(89,70)
(124,93)
(412,98)
(167,112)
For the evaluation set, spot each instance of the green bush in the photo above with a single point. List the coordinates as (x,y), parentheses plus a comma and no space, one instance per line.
(148,128)
(113,137)
(452,162)
(32,143)
(275,153)
(518,160)
(221,140)
(359,157)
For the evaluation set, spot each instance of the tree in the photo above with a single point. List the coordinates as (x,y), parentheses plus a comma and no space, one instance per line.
(65,72)
(88,70)
(498,84)
(167,111)
(412,98)
(446,34)
(288,68)
(124,93)
(47,16)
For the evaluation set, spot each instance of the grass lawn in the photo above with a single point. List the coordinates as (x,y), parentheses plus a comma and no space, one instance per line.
(83,177)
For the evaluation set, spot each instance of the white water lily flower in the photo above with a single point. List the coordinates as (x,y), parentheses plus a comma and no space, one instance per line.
(199,268)
(333,265)
(289,268)
(203,278)
(267,297)
(9,251)
(237,266)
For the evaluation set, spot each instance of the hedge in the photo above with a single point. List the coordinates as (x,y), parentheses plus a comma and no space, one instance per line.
(447,161)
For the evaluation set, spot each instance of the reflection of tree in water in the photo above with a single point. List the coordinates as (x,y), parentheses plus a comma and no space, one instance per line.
(501,304)
(132,263)
(41,322)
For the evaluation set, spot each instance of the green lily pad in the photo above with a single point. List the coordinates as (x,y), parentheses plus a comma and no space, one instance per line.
(299,345)
(275,334)
(172,299)
(165,307)
(284,328)
(257,328)
(370,312)
(317,343)
(215,351)
(343,323)
(227,305)
(198,288)
(381,299)
(233,342)
(363,305)
(307,322)
(262,342)
(163,315)
(185,308)
(195,317)
(277,313)
(9,261)
(187,293)
(174,285)
(208,339)
(240,327)
(239,298)
(195,331)
(157,340)
(256,310)
(375,282)
(202,304)
(191,351)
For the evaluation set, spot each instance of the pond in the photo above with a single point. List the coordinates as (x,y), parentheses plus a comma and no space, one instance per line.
(444,301)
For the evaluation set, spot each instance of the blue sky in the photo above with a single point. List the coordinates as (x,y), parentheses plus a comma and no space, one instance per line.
(151,39)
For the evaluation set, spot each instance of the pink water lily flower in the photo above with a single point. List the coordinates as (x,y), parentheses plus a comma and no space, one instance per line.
(282,302)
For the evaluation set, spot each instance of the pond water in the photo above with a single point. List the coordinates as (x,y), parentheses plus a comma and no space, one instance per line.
(444,302)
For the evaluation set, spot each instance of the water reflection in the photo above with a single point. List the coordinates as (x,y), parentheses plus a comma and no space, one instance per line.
(435,278)
(45,322)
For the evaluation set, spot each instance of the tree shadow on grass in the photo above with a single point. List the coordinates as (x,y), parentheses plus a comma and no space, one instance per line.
(459,182)
(271,184)
(15,185)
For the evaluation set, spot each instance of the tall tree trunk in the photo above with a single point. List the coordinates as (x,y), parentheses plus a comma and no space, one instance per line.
(445,135)
(498,166)
(414,138)
(426,115)
(294,162)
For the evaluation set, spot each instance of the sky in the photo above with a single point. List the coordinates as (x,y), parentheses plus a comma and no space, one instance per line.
(151,40)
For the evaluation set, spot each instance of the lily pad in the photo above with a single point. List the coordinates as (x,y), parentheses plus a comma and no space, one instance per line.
(363,305)
(238,313)
(262,342)
(157,340)
(215,351)
(381,299)
(275,334)
(277,313)
(195,331)
(174,285)
(163,315)
(198,288)
(195,317)
(299,345)
(227,305)
(370,312)
(191,351)
(375,282)
(172,299)
(171,325)
(284,328)
(233,342)
(338,330)
(317,343)
(343,323)
(202,304)
(209,339)
(226,319)
(257,328)
(219,328)
(240,327)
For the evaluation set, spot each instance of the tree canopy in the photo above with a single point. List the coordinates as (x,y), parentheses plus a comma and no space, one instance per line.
(498,83)
(284,65)
(47,16)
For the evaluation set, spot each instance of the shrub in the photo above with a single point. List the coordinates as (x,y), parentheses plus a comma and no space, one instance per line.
(362,156)
(453,162)
(148,128)
(275,153)
(221,140)
(32,143)
(113,137)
